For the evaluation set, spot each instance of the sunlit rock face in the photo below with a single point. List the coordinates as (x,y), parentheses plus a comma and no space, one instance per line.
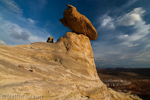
(78,23)
(79,48)
(64,70)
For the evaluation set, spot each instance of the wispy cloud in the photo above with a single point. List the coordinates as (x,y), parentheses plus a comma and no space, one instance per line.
(142,56)
(31,21)
(140,28)
(129,3)
(37,5)
(107,22)
(22,35)
(2,42)
(125,6)
(11,5)
(42,2)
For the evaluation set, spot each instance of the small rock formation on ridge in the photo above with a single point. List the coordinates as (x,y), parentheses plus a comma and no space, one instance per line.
(78,23)
(50,40)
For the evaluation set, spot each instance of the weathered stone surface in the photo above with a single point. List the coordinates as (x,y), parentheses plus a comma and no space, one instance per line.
(64,70)
(78,23)
(21,66)
(50,40)
(79,48)
(122,96)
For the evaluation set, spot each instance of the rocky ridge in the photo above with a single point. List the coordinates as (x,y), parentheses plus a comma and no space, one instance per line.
(64,70)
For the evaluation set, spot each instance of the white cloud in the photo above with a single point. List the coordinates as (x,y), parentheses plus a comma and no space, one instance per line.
(16,29)
(11,5)
(138,10)
(107,22)
(147,46)
(125,6)
(33,39)
(130,3)
(37,5)
(2,42)
(129,20)
(141,31)
(133,45)
(132,17)
(107,54)
(123,46)
(24,35)
(142,56)
(123,36)
(31,21)
(13,34)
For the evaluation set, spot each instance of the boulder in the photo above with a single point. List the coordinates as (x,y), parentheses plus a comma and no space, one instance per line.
(50,40)
(78,23)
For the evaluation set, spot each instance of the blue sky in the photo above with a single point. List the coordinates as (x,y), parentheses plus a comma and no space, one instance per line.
(123,27)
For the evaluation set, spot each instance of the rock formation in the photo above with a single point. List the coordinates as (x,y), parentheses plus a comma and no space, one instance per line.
(79,48)
(78,23)
(50,40)
(64,70)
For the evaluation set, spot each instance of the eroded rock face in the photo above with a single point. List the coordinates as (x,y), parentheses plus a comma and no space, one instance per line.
(64,70)
(78,46)
(78,23)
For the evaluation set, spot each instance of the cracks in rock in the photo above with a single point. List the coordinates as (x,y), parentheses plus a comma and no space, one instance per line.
(82,95)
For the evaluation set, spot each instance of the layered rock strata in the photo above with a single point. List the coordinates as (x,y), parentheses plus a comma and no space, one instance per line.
(64,70)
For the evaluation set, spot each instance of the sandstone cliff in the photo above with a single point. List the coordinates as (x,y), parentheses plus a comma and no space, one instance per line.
(64,70)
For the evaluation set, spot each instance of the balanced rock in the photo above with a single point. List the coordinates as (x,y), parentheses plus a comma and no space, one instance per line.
(50,40)
(78,23)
